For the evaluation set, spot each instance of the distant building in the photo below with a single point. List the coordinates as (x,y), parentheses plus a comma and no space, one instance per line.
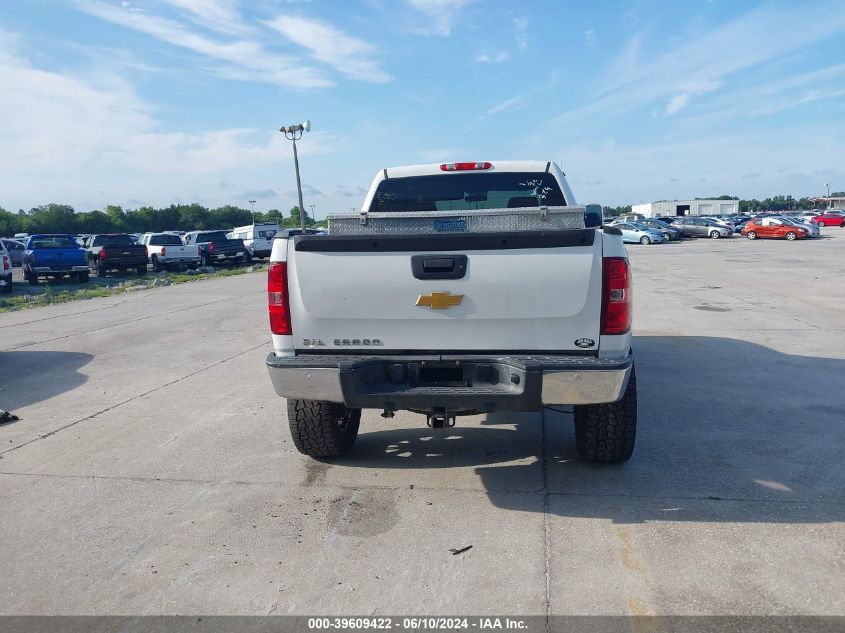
(830,203)
(686,207)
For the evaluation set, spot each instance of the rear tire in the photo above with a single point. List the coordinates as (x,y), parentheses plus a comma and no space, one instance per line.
(790,236)
(82,278)
(8,287)
(322,429)
(821,224)
(157,267)
(31,278)
(101,269)
(751,235)
(247,258)
(142,270)
(605,433)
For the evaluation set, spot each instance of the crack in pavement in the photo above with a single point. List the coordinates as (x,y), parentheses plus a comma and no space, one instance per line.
(141,395)
(106,327)
(403,487)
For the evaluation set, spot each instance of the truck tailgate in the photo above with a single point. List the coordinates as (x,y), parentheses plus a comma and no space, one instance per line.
(526,292)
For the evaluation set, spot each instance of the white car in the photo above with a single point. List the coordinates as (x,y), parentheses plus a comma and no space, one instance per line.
(634,232)
(5,269)
(460,288)
(258,238)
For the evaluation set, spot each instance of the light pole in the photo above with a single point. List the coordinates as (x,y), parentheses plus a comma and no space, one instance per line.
(829,201)
(294,133)
(312,210)
(252,209)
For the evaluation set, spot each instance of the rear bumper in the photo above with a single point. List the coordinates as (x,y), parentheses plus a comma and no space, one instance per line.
(454,383)
(47,270)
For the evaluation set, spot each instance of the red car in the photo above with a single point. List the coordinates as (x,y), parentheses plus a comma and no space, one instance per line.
(771,227)
(830,218)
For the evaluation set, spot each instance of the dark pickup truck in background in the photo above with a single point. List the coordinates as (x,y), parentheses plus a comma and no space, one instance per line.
(115,251)
(216,247)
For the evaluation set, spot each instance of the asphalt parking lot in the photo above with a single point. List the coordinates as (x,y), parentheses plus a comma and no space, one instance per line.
(152,471)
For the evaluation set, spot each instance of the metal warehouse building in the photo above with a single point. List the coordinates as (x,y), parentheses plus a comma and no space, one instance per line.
(686,207)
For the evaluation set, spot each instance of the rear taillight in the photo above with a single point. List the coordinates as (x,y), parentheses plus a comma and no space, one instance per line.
(5,263)
(147,250)
(163,251)
(102,253)
(277,298)
(211,247)
(465,166)
(616,296)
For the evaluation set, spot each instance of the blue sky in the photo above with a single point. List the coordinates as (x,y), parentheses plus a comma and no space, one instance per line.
(159,101)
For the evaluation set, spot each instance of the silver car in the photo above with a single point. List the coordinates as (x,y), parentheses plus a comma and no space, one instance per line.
(812,228)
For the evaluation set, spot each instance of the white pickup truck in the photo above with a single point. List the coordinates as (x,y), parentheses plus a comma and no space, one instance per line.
(461,288)
(165,250)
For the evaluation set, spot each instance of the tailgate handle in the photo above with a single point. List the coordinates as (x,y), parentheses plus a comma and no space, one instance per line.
(439,266)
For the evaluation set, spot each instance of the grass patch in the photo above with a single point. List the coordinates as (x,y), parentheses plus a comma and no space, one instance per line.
(55,291)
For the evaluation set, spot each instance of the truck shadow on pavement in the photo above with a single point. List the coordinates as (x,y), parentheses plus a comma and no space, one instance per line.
(729,431)
(27,377)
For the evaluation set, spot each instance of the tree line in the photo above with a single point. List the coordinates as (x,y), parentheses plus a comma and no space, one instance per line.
(63,218)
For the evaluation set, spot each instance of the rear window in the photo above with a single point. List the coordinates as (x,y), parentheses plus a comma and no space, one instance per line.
(165,240)
(467,191)
(53,242)
(113,240)
(211,237)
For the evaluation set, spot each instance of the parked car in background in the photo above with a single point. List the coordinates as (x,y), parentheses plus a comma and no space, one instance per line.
(15,250)
(702,227)
(5,269)
(54,255)
(769,227)
(257,238)
(634,232)
(216,247)
(830,218)
(669,232)
(115,251)
(166,250)
(811,227)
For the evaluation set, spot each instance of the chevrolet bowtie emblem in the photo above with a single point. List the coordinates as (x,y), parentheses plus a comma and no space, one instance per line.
(439,300)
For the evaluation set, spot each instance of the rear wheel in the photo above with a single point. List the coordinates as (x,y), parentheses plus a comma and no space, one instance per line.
(101,269)
(8,286)
(142,270)
(714,235)
(821,224)
(322,429)
(645,240)
(206,259)
(790,235)
(247,258)
(31,278)
(82,278)
(157,267)
(605,433)
(751,235)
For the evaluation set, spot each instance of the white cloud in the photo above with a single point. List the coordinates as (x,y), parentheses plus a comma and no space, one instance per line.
(504,106)
(493,57)
(441,14)
(521,39)
(349,55)
(590,36)
(677,103)
(74,139)
(245,59)
(220,15)
(681,100)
